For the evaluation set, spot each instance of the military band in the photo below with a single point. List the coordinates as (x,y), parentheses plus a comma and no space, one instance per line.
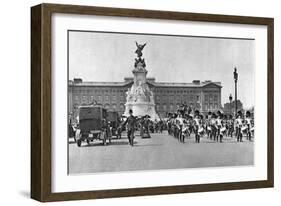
(214,126)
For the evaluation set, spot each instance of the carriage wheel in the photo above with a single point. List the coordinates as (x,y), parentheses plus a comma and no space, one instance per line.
(77,135)
(79,142)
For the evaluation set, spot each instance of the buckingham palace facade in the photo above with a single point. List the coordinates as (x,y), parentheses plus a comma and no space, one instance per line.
(202,95)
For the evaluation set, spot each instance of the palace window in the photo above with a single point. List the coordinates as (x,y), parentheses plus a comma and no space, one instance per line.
(84,99)
(157,107)
(206,106)
(158,98)
(206,98)
(171,107)
(216,106)
(122,107)
(164,107)
(215,98)
(171,98)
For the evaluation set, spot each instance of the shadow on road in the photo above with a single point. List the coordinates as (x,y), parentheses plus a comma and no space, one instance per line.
(71,142)
(145,145)
(120,143)
(113,143)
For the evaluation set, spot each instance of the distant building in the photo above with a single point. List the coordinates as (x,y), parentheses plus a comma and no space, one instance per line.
(205,96)
(230,108)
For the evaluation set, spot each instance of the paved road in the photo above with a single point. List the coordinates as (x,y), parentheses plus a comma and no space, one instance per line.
(161,151)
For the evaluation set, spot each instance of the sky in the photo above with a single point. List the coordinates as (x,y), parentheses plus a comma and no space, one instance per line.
(98,56)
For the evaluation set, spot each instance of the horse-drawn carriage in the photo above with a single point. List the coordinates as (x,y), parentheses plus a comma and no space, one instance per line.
(92,125)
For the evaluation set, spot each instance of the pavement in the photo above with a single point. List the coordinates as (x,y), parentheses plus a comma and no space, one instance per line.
(161,151)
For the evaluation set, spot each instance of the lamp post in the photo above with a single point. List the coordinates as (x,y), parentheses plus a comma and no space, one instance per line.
(235,74)
(230,107)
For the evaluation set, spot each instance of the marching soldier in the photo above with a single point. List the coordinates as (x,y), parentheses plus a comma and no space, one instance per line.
(179,126)
(174,126)
(249,125)
(208,125)
(219,126)
(223,130)
(239,124)
(161,126)
(196,126)
(201,129)
(214,127)
(169,124)
(230,126)
(185,131)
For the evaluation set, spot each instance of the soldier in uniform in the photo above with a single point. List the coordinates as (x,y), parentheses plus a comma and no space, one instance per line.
(180,126)
(161,125)
(249,125)
(131,124)
(196,126)
(219,126)
(208,125)
(169,124)
(174,126)
(145,126)
(230,126)
(201,129)
(213,127)
(239,124)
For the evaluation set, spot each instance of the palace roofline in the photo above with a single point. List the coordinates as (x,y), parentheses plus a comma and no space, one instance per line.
(194,83)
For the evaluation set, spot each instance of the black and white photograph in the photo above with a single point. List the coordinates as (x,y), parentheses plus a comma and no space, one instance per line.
(141,102)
